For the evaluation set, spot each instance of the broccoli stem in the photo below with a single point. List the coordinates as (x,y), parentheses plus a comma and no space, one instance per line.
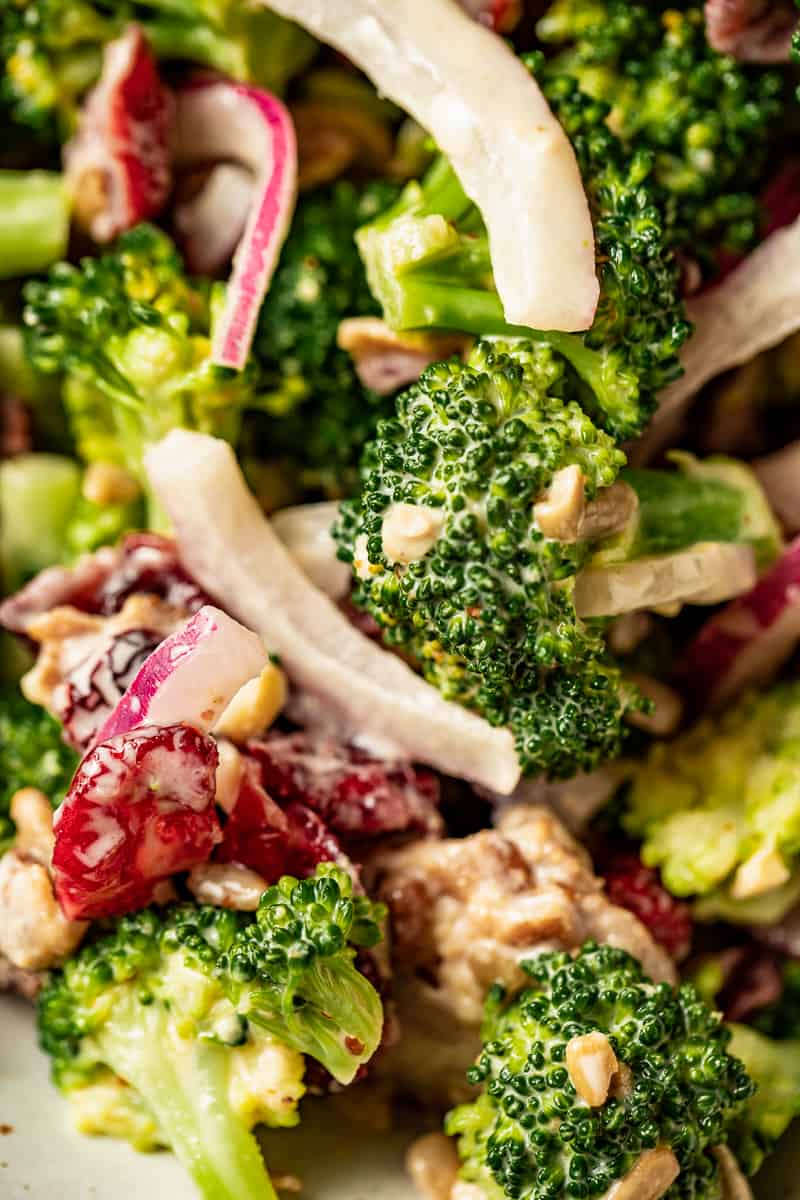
(38,494)
(34,221)
(184,1087)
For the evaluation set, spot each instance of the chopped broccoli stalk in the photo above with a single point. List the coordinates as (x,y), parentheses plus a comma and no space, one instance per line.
(530,1136)
(34,221)
(428,264)
(204,1014)
(319,415)
(485,607)
(709,122)
(781,1019)
(774,1066)
(50,50)
(713,500)
(721,792)
(32,754)
(38,494)
(129,332)
(93,525)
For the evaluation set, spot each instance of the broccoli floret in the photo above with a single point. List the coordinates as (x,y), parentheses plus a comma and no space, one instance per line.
(530,1136)
(129,333)
(428,264)
(205,1015)
(774,1066)
(34,221)
(485,606)
(319,413)
(50,50)
(725,790)
(32,754)
(709,121)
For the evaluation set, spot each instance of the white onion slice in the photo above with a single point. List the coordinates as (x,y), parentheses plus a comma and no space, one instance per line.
(190,677)
(221,121)
(486,113)
(305,531)
(704,574)
(755,307)
(210,224)
(229,546)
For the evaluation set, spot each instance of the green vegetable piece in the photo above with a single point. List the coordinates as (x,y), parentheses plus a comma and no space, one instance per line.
(34,221)
(530,1136)
(32,754)
(774,1066)
(38,493)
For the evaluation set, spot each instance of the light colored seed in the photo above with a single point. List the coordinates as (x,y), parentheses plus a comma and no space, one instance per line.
(226,885)
(591,1065)
(653,1174)
(621,1082)
(761,872)
(255,706)
(106,483)
(229,775)
(610,511)
(409,531)
(432,1163)
(560,511)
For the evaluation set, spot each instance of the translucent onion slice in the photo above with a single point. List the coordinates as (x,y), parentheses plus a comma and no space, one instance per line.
(190,677)
(707,573)
(216,120)
(466,87)
(229,546)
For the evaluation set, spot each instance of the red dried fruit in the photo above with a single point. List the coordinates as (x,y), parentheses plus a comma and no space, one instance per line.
(140,808)
(632,885)
(94,688)
(119,162)
(149,563)
(273,841)
(355,795)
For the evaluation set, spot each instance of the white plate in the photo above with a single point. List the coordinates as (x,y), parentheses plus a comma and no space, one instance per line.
(42,1159)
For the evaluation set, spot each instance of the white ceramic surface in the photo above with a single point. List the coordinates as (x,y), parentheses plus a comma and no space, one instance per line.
(42,1159)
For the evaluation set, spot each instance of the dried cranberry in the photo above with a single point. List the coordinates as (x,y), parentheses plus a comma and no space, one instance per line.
(149,563)
(311,841)
(638,888)
(140,808)
(357,796)
(95,687)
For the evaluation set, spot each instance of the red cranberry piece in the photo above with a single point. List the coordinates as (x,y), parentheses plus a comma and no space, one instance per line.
(632,885)
(311,842)
(140,808)
(94,689)
(357,796)
(149,563)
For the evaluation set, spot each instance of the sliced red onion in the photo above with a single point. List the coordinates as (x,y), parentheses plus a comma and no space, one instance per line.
(118,163)
(305,531)
(746,643)
(210,225)
(757,31)
(216,121)
(225,539)
(779,475)
(499,15)
(509,151)
(191,676)
(707,573)
(755,307)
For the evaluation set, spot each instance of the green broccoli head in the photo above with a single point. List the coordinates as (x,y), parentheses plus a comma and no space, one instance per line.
(428,264)
(530,1136)
(129,333)
(32,754)
(204,1014)
(774,1066)
(720,797)
(50,50)
(318,414)
(484,601)
(708,121)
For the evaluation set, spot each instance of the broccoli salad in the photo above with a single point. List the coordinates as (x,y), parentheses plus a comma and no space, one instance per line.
(400,581)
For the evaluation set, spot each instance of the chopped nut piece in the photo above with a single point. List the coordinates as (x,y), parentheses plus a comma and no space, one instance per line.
(762,872)
(107,483)
(609,512)
(591,1065)
(559,514)
(410,530)
(432,1163)
(621,1083)
(255,706)
(668,711)
(387,359)
(229,775)
(226,885)
(734,1184)
(34,933)
(650,1178)
(627,632)
(33,817)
